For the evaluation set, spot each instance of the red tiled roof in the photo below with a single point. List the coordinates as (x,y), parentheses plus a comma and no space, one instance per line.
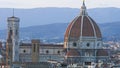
(72,53)
(102,52)
(82,27)
(42,45)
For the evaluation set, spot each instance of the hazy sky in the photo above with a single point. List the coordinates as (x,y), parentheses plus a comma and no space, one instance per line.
(57,3)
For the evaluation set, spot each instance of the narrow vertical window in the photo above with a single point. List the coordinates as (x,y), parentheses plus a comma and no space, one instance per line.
(16,32)
(37,47)
(33,47)
(11,32)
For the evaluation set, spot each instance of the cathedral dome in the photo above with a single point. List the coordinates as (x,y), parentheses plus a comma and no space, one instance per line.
(82,26)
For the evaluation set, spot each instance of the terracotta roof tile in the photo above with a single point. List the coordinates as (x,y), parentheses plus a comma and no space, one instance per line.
(82,27)
(102,52)
(42,45)
(72,53)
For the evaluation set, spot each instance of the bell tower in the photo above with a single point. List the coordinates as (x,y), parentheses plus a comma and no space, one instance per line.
(35,50)
(12,46)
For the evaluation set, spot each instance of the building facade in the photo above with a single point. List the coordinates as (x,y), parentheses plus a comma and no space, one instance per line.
(12,47)
(45,52)
(83,41)
(82,45)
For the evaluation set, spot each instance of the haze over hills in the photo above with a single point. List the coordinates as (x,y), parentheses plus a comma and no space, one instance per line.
(50,23)
(55,32)
(42,16)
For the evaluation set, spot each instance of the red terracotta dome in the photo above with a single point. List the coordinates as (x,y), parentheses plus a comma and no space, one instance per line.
(82,26)
(72,53)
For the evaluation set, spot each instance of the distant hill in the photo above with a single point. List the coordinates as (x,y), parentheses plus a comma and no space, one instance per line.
(55,32)
(42,16)
(111,31)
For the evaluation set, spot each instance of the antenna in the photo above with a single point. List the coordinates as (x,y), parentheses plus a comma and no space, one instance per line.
(83,2)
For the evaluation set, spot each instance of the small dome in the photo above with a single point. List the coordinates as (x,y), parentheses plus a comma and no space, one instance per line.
(72,53)
(102,52)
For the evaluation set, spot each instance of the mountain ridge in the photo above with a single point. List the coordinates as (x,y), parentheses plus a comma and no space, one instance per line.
(55,32)
(42,16)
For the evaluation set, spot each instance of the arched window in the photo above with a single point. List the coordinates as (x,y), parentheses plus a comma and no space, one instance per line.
(24,51)
(98,44)
(34,48)
(58,52)
(74,44)
(88,44)
(11,32)
(47,51)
